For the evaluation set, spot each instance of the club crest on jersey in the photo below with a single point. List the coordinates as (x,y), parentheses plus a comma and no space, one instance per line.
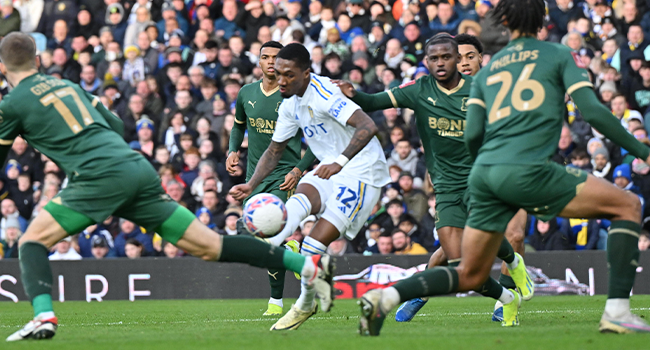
(311,112)
(278,106)
(337,107)
(463,105)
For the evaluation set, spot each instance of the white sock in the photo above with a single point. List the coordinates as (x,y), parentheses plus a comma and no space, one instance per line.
(506,297)
(277,302)
(310,247)
(298,208)
(45,315)
(389,299)
(513,265)
(617,307)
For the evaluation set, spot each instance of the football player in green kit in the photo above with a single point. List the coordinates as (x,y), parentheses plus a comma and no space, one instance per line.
(257,111)
(514,121)
(72,128)
(440,104)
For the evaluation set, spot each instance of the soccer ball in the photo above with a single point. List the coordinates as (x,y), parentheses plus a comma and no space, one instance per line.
(265,215)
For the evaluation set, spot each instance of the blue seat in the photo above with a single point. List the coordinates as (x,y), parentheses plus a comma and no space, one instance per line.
(41,41)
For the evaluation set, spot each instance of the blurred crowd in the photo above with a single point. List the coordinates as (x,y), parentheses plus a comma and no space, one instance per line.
(172,69)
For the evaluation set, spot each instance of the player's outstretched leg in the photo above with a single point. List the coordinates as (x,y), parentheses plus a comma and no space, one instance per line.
(305,307)
(600,199)
(450,238)
(298,208)
(36,275)
(479,249)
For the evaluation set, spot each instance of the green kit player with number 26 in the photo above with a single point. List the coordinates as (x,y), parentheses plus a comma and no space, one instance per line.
(106,177)
(514,120)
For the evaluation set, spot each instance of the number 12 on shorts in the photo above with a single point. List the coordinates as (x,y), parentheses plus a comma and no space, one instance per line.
(350,201)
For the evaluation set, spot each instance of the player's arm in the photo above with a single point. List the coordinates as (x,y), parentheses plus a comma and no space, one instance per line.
(475,127)
(394,98)
(602,119)
(9,130)
(236,135)
(365,130)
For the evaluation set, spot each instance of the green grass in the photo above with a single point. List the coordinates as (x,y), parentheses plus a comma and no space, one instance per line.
(444,323)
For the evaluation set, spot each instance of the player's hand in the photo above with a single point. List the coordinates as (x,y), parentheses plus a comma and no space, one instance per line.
(326,171)
(346,87)
(231,162)
(291,179)
(240,192)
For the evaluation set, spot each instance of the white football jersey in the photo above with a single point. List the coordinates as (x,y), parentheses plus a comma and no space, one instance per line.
(322,113)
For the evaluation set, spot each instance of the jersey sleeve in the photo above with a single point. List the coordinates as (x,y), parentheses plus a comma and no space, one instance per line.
(9,125)
(287,125)
(574,73)
(476,117)
(240,115)
(404,95)
(338,107)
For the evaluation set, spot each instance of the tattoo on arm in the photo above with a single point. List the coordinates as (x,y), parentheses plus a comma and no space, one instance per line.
(267,162)
(365,131)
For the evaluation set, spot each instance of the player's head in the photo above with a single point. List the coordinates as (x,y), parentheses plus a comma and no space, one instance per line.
(17,53)
(268,53)
(441,53)
(470,50)
(523,16)
(292,70)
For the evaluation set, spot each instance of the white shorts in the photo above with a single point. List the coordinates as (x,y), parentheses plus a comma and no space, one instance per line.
(345,202)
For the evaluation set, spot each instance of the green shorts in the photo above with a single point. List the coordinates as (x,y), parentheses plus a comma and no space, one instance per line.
(499,191)
(132,192)
(272,186)
(451,209)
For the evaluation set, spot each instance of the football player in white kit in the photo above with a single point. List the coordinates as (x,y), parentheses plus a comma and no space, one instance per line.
(346,185)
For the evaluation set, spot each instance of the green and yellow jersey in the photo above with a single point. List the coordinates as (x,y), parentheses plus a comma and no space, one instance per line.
(523,90)
(257,111)
(65,123)
(440,120)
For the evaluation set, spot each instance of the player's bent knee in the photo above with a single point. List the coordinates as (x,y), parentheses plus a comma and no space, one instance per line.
(632,209)
(471,278)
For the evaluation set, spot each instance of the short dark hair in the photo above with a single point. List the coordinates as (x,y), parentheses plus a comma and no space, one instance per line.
(296,53)
(441,38)
(273,44)
(394,202)
(404,140)
(396,231)
(18,52)
(467,39)
(524,16)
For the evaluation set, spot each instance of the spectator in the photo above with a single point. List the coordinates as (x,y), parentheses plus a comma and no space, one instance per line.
(205,217)
(565,147)
(161,157)
(10,21)
(409,225)
(623,179)
(414,43)
(415,199)
(404,246)
(385,244)
(637,91)
(64,251)
(142,20)
(23,195)
(89,81)
(68,69)
(60,37)
(637,45)
(114,20)
(608,31)
(373,232)
(446,20)
(644,240)
(100,248)
(253,19)
(230,226)
(129,230)
(134,249)
(466,9)
(171,251)
(191,157)
(134,114)
(546,236)
(87,240)
(580,159)
(404,156)
(55,10)
(10,211)
(226,26)
(145,143)
(601,164)
(10,241)
(25,155)
(340,247)
(148,53)
(620,110)
(30,14)
(135,68)
(151,100)
(85,24)
(394,54)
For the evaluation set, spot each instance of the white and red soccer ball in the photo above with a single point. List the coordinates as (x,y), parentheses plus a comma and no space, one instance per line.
(265,215)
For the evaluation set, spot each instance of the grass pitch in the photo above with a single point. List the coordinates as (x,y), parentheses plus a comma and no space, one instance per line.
(444,323)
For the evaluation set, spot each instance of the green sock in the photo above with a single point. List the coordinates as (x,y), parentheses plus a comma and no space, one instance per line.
(453,263)
(36,275)
(506,253)
(622,257)
(491,288)
(435,281)
(507,281)
(276,279)
(42,303)
(251,251)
